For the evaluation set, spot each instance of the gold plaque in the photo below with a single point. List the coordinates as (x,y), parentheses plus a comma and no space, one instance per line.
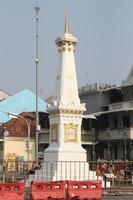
(71,133)
(54,133)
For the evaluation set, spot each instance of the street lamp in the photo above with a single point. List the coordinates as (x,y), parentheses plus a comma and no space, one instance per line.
(12,115)
(93,144)
(125,143)
(108,145)
(37,8)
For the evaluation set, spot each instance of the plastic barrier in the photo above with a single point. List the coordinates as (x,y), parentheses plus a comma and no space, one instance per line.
(84,190)
(12,191)
(48,190)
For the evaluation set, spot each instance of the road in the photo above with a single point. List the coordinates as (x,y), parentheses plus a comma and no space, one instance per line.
(112,198)
(118,198)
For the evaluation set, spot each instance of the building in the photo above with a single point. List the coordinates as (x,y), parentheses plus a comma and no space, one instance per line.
(110,136)
(112,131)
(17,136)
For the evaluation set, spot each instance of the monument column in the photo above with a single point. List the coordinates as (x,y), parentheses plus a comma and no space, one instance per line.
(65,111)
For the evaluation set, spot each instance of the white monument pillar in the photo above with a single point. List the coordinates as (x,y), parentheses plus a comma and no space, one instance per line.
(65,158)
(65,112)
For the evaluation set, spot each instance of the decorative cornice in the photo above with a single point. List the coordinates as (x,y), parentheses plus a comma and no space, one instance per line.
(66,46)
(65,112)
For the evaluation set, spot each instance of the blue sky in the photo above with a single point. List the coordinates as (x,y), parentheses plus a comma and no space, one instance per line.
(104,53)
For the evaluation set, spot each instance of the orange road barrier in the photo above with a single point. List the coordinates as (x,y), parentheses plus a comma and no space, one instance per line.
(48,190)
(12,191)
(88,190)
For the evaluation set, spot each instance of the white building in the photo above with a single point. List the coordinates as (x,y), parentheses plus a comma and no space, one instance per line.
(113,107)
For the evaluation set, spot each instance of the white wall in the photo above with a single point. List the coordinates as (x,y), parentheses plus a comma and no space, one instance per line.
(15,146)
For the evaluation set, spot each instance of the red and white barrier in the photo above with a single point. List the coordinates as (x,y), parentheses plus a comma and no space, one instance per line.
(48,190)
(12,191)
(84,190)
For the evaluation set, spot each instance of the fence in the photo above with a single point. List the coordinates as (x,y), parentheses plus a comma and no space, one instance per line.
(117,173)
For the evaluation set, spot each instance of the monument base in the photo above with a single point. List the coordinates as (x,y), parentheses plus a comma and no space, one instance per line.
(64,170)
(69,170)
(65,153)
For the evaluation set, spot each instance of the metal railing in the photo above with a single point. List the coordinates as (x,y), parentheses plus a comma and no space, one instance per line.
(112,173)
(116,134)
(121,106)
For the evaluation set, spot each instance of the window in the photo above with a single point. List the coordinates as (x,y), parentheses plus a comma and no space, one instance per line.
(115,123)
(126,121)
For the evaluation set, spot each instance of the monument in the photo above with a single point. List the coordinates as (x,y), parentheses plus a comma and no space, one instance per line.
(65,112)
(65,115)
(65,158)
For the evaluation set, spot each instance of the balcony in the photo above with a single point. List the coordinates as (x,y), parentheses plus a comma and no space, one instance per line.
(86,137)
(116,134)
(121,106)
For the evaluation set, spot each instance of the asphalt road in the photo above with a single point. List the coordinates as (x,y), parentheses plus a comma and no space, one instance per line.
(112,198)
(118,198)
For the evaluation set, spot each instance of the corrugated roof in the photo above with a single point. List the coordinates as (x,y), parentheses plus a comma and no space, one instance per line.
(24,101)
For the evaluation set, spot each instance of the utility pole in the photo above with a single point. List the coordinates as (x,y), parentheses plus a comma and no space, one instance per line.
(108,145)
(125,144)
(93,147)
(37,8)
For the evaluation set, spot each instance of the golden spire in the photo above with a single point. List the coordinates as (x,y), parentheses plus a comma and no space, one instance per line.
(66,23)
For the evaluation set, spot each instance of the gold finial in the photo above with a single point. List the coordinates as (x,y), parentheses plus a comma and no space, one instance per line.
(66,23)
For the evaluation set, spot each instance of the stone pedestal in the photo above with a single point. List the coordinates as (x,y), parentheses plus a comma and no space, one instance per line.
(65,170)
(68,152)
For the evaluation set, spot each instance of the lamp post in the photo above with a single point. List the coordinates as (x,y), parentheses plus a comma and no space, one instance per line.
(93,145)
(13,115)
(37,8)
(108,145)
(125,143)
(28,137)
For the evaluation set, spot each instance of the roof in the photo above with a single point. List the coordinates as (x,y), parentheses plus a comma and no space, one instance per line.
(24,101)
(89,116)
(18,127)
(3,95)
(108,111)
